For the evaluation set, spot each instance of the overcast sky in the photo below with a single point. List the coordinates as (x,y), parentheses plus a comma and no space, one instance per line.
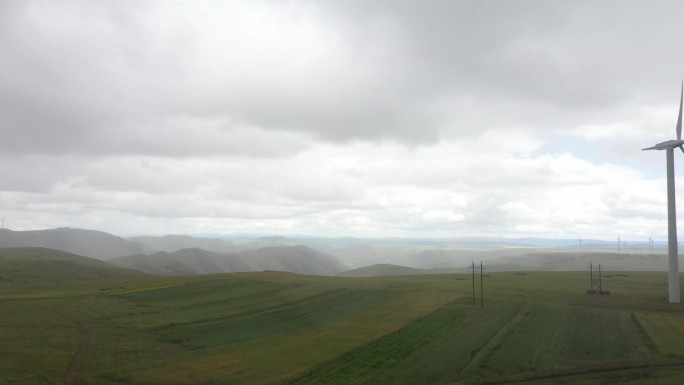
(340,118)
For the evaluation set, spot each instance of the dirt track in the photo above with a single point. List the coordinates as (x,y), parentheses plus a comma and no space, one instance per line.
(73,376)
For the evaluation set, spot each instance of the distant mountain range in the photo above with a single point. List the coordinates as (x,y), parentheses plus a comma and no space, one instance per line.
(101,245)
(176,254)
(171,243)
(183,254)
(294,259)
(90,243)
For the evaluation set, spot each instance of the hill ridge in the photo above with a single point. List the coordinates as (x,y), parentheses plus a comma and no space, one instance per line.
(295,259)
(40,265)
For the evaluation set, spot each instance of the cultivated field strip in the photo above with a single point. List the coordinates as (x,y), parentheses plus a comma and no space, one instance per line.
(366,362)
(271,347)
(276,328)
(666,330)
(558,338)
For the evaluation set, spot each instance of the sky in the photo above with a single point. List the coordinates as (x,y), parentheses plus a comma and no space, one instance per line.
(382,118)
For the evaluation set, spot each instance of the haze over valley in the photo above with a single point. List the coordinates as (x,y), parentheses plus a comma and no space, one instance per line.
(188,255)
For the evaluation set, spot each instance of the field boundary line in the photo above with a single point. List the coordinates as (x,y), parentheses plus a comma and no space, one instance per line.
(254,313)
(491,345)
(644,334)
(544,378)
(383,343)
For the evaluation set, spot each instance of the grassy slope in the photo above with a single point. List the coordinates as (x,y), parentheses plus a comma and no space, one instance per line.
(270,328)
(40,266)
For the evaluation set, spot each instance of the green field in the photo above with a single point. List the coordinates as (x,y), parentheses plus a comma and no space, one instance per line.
(279,328)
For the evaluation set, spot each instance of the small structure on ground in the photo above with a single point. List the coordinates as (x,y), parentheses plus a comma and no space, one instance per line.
(596,282)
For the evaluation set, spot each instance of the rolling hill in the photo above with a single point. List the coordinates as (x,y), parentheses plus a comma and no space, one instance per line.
(295,259)
(577,261)
(37,265)
(172,243)
(382,270)
(91,243)
(182,254)
(540,260)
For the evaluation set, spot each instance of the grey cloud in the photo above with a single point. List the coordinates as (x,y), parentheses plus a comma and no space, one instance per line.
(232,110)
(36,174)
(75,76)
(536,49)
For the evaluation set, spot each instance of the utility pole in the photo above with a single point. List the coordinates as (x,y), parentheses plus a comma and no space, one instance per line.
(591,276)
(473,283)
(473,267)
(600,284)
(481,285)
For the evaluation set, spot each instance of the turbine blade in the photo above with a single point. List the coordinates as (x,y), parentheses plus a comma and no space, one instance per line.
(680,147)
(650,148)
(679,119)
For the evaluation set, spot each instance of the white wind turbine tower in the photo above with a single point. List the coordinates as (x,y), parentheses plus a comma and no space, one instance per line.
(669,146)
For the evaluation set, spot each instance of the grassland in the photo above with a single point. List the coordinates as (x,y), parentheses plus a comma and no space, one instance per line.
(22,267)
(278,328)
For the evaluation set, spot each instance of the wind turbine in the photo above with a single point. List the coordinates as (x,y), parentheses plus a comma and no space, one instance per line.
(669,146)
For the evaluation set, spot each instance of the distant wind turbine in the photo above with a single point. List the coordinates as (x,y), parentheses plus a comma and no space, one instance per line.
(618,244)
(669,146)
(650,245)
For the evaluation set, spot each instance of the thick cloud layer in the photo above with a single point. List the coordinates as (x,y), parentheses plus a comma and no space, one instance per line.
(433,118)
